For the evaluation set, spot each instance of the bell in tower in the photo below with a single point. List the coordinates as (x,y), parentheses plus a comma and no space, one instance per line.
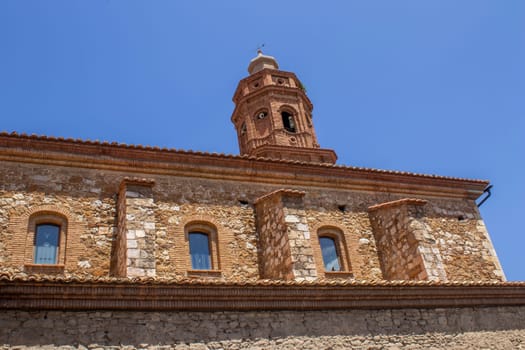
(273,115)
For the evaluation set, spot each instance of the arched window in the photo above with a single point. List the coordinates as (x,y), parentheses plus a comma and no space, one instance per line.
(46,241)
(46,244)
(331,252)
(199,251)
(288,121)
(331,256)
(203,248)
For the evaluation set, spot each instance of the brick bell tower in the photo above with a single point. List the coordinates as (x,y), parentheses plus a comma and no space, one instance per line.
(273,115)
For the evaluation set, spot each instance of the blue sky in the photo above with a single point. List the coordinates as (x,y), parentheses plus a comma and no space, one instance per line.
(424,86)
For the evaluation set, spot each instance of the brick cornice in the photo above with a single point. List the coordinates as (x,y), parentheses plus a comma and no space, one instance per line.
(201,296)
(161,161)
(237,96)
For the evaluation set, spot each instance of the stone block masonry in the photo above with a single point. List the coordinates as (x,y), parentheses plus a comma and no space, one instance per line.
(135,242)
(285,249)
(97,211)
(454,328)
(406,246)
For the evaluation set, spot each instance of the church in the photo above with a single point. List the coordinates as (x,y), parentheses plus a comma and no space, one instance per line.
(113,245)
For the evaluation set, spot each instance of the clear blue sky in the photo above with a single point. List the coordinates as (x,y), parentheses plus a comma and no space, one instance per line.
(423,86)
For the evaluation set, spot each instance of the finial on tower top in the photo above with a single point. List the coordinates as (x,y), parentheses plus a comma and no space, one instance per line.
(261,62)
(259,49)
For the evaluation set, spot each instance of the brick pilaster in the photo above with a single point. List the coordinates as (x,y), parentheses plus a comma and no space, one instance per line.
(406,246)
(134,255)
(284,237)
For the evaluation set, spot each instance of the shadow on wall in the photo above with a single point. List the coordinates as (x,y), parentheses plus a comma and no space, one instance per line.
(305,329)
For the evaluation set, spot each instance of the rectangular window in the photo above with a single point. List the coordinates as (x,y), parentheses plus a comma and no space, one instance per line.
(199,251)
(329,252)
(46,243)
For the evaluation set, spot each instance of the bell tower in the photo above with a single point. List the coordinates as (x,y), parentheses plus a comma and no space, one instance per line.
(273,115)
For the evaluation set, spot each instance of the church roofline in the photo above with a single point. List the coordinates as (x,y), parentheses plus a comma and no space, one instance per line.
(66,151)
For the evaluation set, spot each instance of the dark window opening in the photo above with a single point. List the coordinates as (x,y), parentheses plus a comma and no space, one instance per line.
(288,122)
(200,251)
(330,255)
(46,244)
(342,208)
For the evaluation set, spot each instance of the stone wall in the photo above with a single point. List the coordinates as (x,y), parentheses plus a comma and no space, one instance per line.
(447,328)
(462,240)
(274,247)
(285,246)
(137,227)
(84,197)
(88,198)
(303,264)
(361,252)
(406,247)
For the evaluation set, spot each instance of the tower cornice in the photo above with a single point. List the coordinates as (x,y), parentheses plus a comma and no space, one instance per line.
(269,89)
(242,83)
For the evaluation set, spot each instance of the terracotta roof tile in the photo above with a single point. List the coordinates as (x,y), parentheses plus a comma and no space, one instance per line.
(24,277)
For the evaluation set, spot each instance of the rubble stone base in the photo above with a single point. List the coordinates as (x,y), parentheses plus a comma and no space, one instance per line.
(447,328)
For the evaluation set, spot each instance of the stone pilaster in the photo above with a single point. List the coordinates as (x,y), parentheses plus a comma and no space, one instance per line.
(134,255)
(406,246)
(284,237)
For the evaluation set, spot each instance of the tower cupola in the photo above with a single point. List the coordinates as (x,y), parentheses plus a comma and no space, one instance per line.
(262,62)
(273,115)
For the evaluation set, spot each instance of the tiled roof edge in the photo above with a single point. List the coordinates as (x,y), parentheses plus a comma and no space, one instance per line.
(227,156)
(22,277)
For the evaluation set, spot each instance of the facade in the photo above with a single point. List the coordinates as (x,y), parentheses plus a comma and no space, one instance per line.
(277,247)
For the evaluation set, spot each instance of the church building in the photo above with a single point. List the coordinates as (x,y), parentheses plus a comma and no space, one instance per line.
(104,244)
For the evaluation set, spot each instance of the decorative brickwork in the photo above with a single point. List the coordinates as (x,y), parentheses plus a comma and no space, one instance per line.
(21,229)
(273,116)
(220,237)
(361,253)
(52,292)
(332,230)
